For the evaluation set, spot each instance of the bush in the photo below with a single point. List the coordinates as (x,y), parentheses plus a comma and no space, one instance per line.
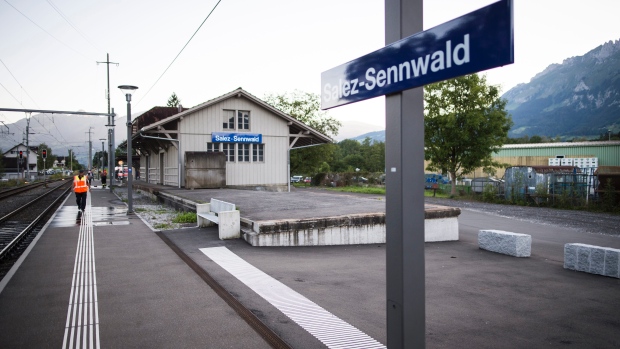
(489,193)
(185,217)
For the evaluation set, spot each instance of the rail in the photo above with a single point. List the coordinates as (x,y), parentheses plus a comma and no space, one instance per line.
(20,236)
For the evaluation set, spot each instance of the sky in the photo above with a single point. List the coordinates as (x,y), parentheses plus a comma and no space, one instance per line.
(49,49)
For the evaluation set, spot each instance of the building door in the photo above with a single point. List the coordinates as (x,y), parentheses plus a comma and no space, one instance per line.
(161,168)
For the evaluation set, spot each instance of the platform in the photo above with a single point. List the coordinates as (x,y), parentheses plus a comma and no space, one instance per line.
(309,217)
(106,280)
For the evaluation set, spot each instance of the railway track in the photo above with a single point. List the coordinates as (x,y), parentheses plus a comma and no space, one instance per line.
(23,214)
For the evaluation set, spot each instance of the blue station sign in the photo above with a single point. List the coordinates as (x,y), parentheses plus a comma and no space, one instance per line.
(477,41)
(223,137)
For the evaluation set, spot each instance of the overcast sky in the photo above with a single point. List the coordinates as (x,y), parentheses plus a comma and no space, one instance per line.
(49,57)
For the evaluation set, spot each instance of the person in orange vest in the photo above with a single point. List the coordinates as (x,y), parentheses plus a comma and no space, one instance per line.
(104,176)
(80,188)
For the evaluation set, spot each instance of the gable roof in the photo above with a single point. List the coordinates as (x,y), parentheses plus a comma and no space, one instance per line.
(296,127)
(33,148)
(154,115)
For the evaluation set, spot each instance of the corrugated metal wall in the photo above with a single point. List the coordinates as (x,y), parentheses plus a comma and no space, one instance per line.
(608,154)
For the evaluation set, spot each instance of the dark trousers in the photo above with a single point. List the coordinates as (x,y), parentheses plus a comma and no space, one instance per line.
(103,179)
(80,200)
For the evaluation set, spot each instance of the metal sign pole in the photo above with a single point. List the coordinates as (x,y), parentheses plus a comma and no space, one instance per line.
(404,158)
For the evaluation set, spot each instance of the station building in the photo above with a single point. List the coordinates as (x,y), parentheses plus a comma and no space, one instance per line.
(234,141)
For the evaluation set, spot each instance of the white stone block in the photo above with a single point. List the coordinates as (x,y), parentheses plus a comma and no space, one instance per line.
(592,259)
(513,244)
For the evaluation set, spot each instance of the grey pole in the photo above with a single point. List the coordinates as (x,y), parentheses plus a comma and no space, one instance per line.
(127,89)
(404,157)
(112,162)
(129,172)
(102,157)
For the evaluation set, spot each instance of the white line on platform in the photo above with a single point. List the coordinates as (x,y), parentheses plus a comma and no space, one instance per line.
(325,326)
(82,331)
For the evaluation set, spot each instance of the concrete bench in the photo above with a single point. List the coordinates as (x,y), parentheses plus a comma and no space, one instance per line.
(513,244)
(223,214)
(592,259)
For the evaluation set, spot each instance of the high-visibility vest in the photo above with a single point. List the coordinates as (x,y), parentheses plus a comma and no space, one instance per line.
(79,185)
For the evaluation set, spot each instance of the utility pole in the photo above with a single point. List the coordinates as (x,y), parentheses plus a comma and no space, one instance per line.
(111,162)
(27,145)
(110,125)
(90,149)
(108,68)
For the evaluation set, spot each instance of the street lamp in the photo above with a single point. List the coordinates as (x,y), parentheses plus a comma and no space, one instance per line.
(128,90)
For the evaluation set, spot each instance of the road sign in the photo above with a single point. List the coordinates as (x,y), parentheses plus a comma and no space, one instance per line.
(477,41)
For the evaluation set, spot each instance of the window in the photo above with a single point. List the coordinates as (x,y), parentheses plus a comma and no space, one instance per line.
(243,152)
(258,152)
(229,151)
(243,120)
(229,120)
(213,147)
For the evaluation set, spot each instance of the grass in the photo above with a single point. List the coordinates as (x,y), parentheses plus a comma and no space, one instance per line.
(361,190)
(381,191)
(185,217)
(163,226)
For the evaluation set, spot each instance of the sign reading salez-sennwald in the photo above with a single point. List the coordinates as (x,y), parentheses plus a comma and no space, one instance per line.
(477,41)
(222,137)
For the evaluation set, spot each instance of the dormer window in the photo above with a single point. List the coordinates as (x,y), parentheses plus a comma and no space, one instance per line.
(236,120)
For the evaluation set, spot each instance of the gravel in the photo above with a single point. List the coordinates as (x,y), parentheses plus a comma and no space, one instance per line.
(584,221)
(157,215)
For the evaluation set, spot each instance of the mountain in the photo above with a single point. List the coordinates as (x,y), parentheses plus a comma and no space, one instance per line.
(61,132)
(376,136)
(580,97)
(352,129)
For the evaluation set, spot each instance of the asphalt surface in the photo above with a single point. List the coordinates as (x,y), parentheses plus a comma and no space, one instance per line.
(475,298)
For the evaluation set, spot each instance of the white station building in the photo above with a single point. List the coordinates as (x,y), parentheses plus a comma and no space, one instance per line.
(234,141)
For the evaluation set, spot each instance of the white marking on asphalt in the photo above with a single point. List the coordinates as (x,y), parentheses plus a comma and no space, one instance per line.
(83,331)
(323,325)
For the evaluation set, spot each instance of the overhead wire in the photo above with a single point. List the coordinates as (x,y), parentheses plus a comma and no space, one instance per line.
(177,56)
(72,26)
(55,38)
(20,85)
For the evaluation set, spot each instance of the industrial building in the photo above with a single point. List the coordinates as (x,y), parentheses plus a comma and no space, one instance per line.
(580,154)
(234,141)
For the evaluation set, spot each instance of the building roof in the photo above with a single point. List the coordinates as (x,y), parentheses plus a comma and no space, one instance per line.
(562,144)
(155,115)
(296,127)
(32,148)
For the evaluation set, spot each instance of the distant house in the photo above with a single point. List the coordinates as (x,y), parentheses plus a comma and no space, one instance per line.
(14,167)
(235,141)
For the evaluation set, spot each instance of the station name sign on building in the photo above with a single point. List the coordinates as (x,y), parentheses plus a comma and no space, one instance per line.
(477,41)
(222,137)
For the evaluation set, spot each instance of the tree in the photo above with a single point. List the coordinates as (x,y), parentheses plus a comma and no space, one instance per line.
(465,121)
(306,107)
(49,161)
(173,101)
(97,159)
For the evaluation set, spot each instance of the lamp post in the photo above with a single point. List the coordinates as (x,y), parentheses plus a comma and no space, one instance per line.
(128,90)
